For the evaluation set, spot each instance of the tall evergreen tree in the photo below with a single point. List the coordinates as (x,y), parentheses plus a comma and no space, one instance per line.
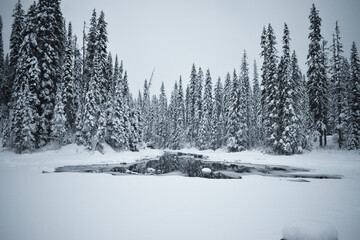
(217,121)
(58,128)
(339,88)
(204,135)
(69,92)
(316,78)
(289,123)
(256,112)
(198,102)
(245,95)
(51,47)
(270,94)
(233,143)
(354,100)
(227,104)
(163,115)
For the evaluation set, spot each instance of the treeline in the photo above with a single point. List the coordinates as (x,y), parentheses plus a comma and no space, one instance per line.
(54,91)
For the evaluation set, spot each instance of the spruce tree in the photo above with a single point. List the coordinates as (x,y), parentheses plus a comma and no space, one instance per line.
(354,100)
(256,112)
(270,92)
(69,96)
(217,121)
(163,121)
(58,128)
(198,102)
(245,95)
(233,143)
(316,78)
(227,105)
(339,88)
(289,124)
(204,135)
(51,47)
(191,132)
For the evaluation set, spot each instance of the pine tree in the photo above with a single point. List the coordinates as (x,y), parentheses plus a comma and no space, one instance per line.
(103,61)
(69,97)
(163,121)
(245,95)
(180,125)
(91,48)
(191,132)
(338,88)
(198,102)
(50,43)
(173,115)
(354,100)
(269,97)
(256,102)
(289,123)
(204,135)
(119,134)
(58,129)
(316,78)
(233,143)
(217,121)
(227,105)
(27,79)
(16,40)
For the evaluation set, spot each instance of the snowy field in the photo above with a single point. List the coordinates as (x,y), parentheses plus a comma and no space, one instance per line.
(36,205)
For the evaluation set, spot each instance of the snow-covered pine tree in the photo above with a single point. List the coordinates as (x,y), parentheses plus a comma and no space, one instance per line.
(245,95)
(217,121)
(91,49)
(135,136)
(180,109)
(119,133)
(7,86)
(198,103)
(316,78)
(27,77)
(204,134)
(103,59)
(163,121)
(339,88)
(233,120)
(301,100)
(16,37)
(191,131)
(145,111)
(68,84)
(289,125)
(256,112)
(187,113)
(58,122)
(25,116)
(270,92)
(354,100)
(174,136)
(227,105)
(50,41)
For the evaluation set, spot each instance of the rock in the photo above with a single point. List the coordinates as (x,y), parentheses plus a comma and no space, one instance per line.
(206,171)
(150,171)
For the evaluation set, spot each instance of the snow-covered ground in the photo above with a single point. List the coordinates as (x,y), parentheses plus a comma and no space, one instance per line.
(34,205)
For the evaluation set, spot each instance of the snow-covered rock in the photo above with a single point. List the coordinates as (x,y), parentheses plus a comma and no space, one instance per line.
(206,171)
(309,230)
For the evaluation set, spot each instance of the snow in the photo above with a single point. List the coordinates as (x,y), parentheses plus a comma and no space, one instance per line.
(309,230)
(89,206)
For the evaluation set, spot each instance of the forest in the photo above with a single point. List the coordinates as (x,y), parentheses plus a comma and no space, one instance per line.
(56,89)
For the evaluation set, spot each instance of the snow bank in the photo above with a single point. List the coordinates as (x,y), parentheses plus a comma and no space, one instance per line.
(309,230)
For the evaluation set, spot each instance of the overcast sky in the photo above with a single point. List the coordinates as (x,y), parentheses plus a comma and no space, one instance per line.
(171,35)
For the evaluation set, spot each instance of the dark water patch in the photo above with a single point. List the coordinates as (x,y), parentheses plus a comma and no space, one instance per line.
(195,165)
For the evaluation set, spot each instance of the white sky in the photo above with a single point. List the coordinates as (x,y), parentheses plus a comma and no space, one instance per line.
(171,35)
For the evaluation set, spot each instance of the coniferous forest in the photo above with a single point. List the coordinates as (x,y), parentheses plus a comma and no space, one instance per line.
(55,88)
